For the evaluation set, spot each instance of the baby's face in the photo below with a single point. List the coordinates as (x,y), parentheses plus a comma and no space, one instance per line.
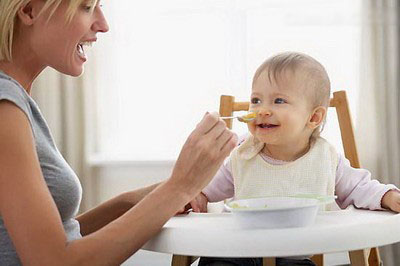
(283,110)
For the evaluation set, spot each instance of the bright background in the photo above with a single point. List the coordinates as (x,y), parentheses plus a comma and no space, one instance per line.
(165,63)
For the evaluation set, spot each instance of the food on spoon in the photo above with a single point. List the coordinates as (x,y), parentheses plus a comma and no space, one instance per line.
(247,118)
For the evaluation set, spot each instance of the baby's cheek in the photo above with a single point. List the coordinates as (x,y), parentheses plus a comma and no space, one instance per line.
(251,128)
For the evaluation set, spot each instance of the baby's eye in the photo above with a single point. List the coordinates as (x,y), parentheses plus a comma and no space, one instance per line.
(255,100)
(279,101)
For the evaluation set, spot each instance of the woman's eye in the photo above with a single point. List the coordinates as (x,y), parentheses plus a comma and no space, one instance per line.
(87,8)
(279,101)
(255,100)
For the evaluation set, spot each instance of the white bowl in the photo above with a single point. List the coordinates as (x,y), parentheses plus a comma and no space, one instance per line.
(276,212)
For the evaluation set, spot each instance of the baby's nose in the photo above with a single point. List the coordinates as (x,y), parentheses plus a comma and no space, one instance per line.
(264,112)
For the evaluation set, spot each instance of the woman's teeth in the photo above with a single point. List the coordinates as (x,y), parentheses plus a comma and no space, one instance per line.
(80,49)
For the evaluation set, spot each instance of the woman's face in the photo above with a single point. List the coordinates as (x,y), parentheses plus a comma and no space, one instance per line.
(60,44)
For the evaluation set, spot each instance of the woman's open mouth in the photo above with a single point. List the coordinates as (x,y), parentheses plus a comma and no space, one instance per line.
(81,51)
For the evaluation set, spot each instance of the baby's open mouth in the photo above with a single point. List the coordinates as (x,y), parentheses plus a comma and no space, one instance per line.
(267,125)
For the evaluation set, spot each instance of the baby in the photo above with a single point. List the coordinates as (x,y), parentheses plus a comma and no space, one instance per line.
(284,154)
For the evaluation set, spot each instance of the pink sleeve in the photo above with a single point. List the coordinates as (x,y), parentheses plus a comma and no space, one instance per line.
(221,186)
(354,186)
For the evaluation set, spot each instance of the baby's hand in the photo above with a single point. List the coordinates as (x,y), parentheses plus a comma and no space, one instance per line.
(199,203)
(391,200)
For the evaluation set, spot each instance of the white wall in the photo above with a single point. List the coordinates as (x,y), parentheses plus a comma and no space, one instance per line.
(111,178)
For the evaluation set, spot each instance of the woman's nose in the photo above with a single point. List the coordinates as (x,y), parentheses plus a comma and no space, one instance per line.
(100,25)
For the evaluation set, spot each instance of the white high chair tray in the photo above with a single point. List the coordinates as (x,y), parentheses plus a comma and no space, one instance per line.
(216,234)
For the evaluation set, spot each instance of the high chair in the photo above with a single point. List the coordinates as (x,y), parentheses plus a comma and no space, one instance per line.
(339,101)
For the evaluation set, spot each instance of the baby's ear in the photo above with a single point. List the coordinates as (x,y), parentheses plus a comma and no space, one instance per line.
(317,117)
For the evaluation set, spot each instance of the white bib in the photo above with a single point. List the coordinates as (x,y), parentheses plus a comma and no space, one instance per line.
(313,173)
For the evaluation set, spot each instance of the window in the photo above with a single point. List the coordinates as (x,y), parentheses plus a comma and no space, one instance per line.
(164,63)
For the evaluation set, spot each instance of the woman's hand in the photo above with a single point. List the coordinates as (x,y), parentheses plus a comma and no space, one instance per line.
(202,154)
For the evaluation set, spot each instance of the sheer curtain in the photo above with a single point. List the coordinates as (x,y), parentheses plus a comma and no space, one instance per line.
(378,128)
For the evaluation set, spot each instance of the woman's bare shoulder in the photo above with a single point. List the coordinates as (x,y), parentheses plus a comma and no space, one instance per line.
(26,205)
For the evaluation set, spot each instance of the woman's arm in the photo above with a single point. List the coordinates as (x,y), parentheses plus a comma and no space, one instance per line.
(110,210)
(33,221)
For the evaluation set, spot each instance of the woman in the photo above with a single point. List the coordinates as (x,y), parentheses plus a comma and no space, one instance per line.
(39,193)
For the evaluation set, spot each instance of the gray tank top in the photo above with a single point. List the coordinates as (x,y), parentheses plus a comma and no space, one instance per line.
(61,180)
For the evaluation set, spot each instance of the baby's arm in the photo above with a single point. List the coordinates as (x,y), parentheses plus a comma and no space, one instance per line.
(354,186)
(221,186)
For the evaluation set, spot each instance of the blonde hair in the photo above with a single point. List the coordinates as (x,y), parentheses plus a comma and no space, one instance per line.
(8,19)
(316,78)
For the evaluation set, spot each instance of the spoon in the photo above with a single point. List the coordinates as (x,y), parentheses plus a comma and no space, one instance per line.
(243,118)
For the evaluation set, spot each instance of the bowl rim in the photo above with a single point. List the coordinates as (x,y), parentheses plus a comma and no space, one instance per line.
(309,201)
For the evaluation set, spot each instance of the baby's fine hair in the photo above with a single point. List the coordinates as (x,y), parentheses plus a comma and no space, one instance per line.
(317,85)
(316,78)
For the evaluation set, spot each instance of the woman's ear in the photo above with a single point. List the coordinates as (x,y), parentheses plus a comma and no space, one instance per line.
(316,117)
(28,12)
